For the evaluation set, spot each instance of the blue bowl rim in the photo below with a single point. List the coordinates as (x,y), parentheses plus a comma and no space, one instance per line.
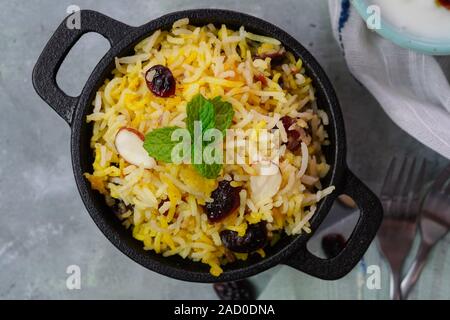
(403,39)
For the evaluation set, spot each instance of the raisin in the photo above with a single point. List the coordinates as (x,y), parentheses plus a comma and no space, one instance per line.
(160,81)
(255,238)
(235,290)
(225,201)
(120,208)
(332,244)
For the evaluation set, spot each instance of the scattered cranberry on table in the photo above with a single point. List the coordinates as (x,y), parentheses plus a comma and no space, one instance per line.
(444,3)
(235,290)
(332,244)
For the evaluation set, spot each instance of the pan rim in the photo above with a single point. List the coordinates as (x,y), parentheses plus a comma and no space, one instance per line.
(321,82)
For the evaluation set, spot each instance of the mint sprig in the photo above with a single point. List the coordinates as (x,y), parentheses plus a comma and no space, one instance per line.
(209,171)
(196,108)
(224,114)
(211,114)
(159,144)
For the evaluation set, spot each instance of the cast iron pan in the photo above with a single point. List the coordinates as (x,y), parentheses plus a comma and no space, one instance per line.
(289,250)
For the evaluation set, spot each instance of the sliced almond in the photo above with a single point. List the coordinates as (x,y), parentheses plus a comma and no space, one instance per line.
(129,145)
(267,183)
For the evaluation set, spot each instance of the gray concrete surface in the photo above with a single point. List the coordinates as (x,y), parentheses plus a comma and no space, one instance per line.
(43,224)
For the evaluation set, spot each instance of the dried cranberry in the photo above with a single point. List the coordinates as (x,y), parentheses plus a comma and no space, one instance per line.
(276,57)
(235,290)
(260,77)
(255,238)
(160,81)
(293,135)
(225,201)
(294,141)
(445,3)
(287,122)
(333,244)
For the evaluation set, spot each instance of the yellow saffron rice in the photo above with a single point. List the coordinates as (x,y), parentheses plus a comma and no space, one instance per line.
(164,207)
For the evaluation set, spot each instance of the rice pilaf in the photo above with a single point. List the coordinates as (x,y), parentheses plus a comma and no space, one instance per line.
(165,206)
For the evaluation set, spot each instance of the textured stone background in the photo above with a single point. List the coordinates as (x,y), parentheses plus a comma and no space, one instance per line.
(43,224)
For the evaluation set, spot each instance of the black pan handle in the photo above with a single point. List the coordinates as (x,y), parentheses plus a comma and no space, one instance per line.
(365,231)
(56,50)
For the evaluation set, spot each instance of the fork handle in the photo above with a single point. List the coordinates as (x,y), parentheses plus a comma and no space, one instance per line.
(395,291)
(416,269)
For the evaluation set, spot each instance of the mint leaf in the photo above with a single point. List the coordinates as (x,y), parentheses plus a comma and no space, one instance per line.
(159,144)
(193,112)
(211,114)
(207,116)
(209,171)
(224,114)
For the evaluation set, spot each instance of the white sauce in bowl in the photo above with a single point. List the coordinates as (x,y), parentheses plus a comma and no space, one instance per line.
(420,18)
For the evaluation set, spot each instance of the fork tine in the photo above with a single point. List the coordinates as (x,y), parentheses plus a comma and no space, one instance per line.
(407,190)
(439,184)
(407,187)
(447,190)
(446,174)
(438,203)
(420,179)
(402,176)
(417,186)
(388,185)
(387,190)
(401,182)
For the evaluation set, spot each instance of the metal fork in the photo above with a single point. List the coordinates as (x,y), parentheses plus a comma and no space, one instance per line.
(434,224)
(400,196)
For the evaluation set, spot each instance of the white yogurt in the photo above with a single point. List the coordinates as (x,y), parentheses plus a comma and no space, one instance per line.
(421,18)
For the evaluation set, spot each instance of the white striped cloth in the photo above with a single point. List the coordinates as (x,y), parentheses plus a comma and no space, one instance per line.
(412,88)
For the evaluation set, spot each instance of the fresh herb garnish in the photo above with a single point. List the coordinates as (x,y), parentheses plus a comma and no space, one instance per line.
(199,109)
(207,116)
(224,114)
(209,171)
(159,144)
(212,114)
